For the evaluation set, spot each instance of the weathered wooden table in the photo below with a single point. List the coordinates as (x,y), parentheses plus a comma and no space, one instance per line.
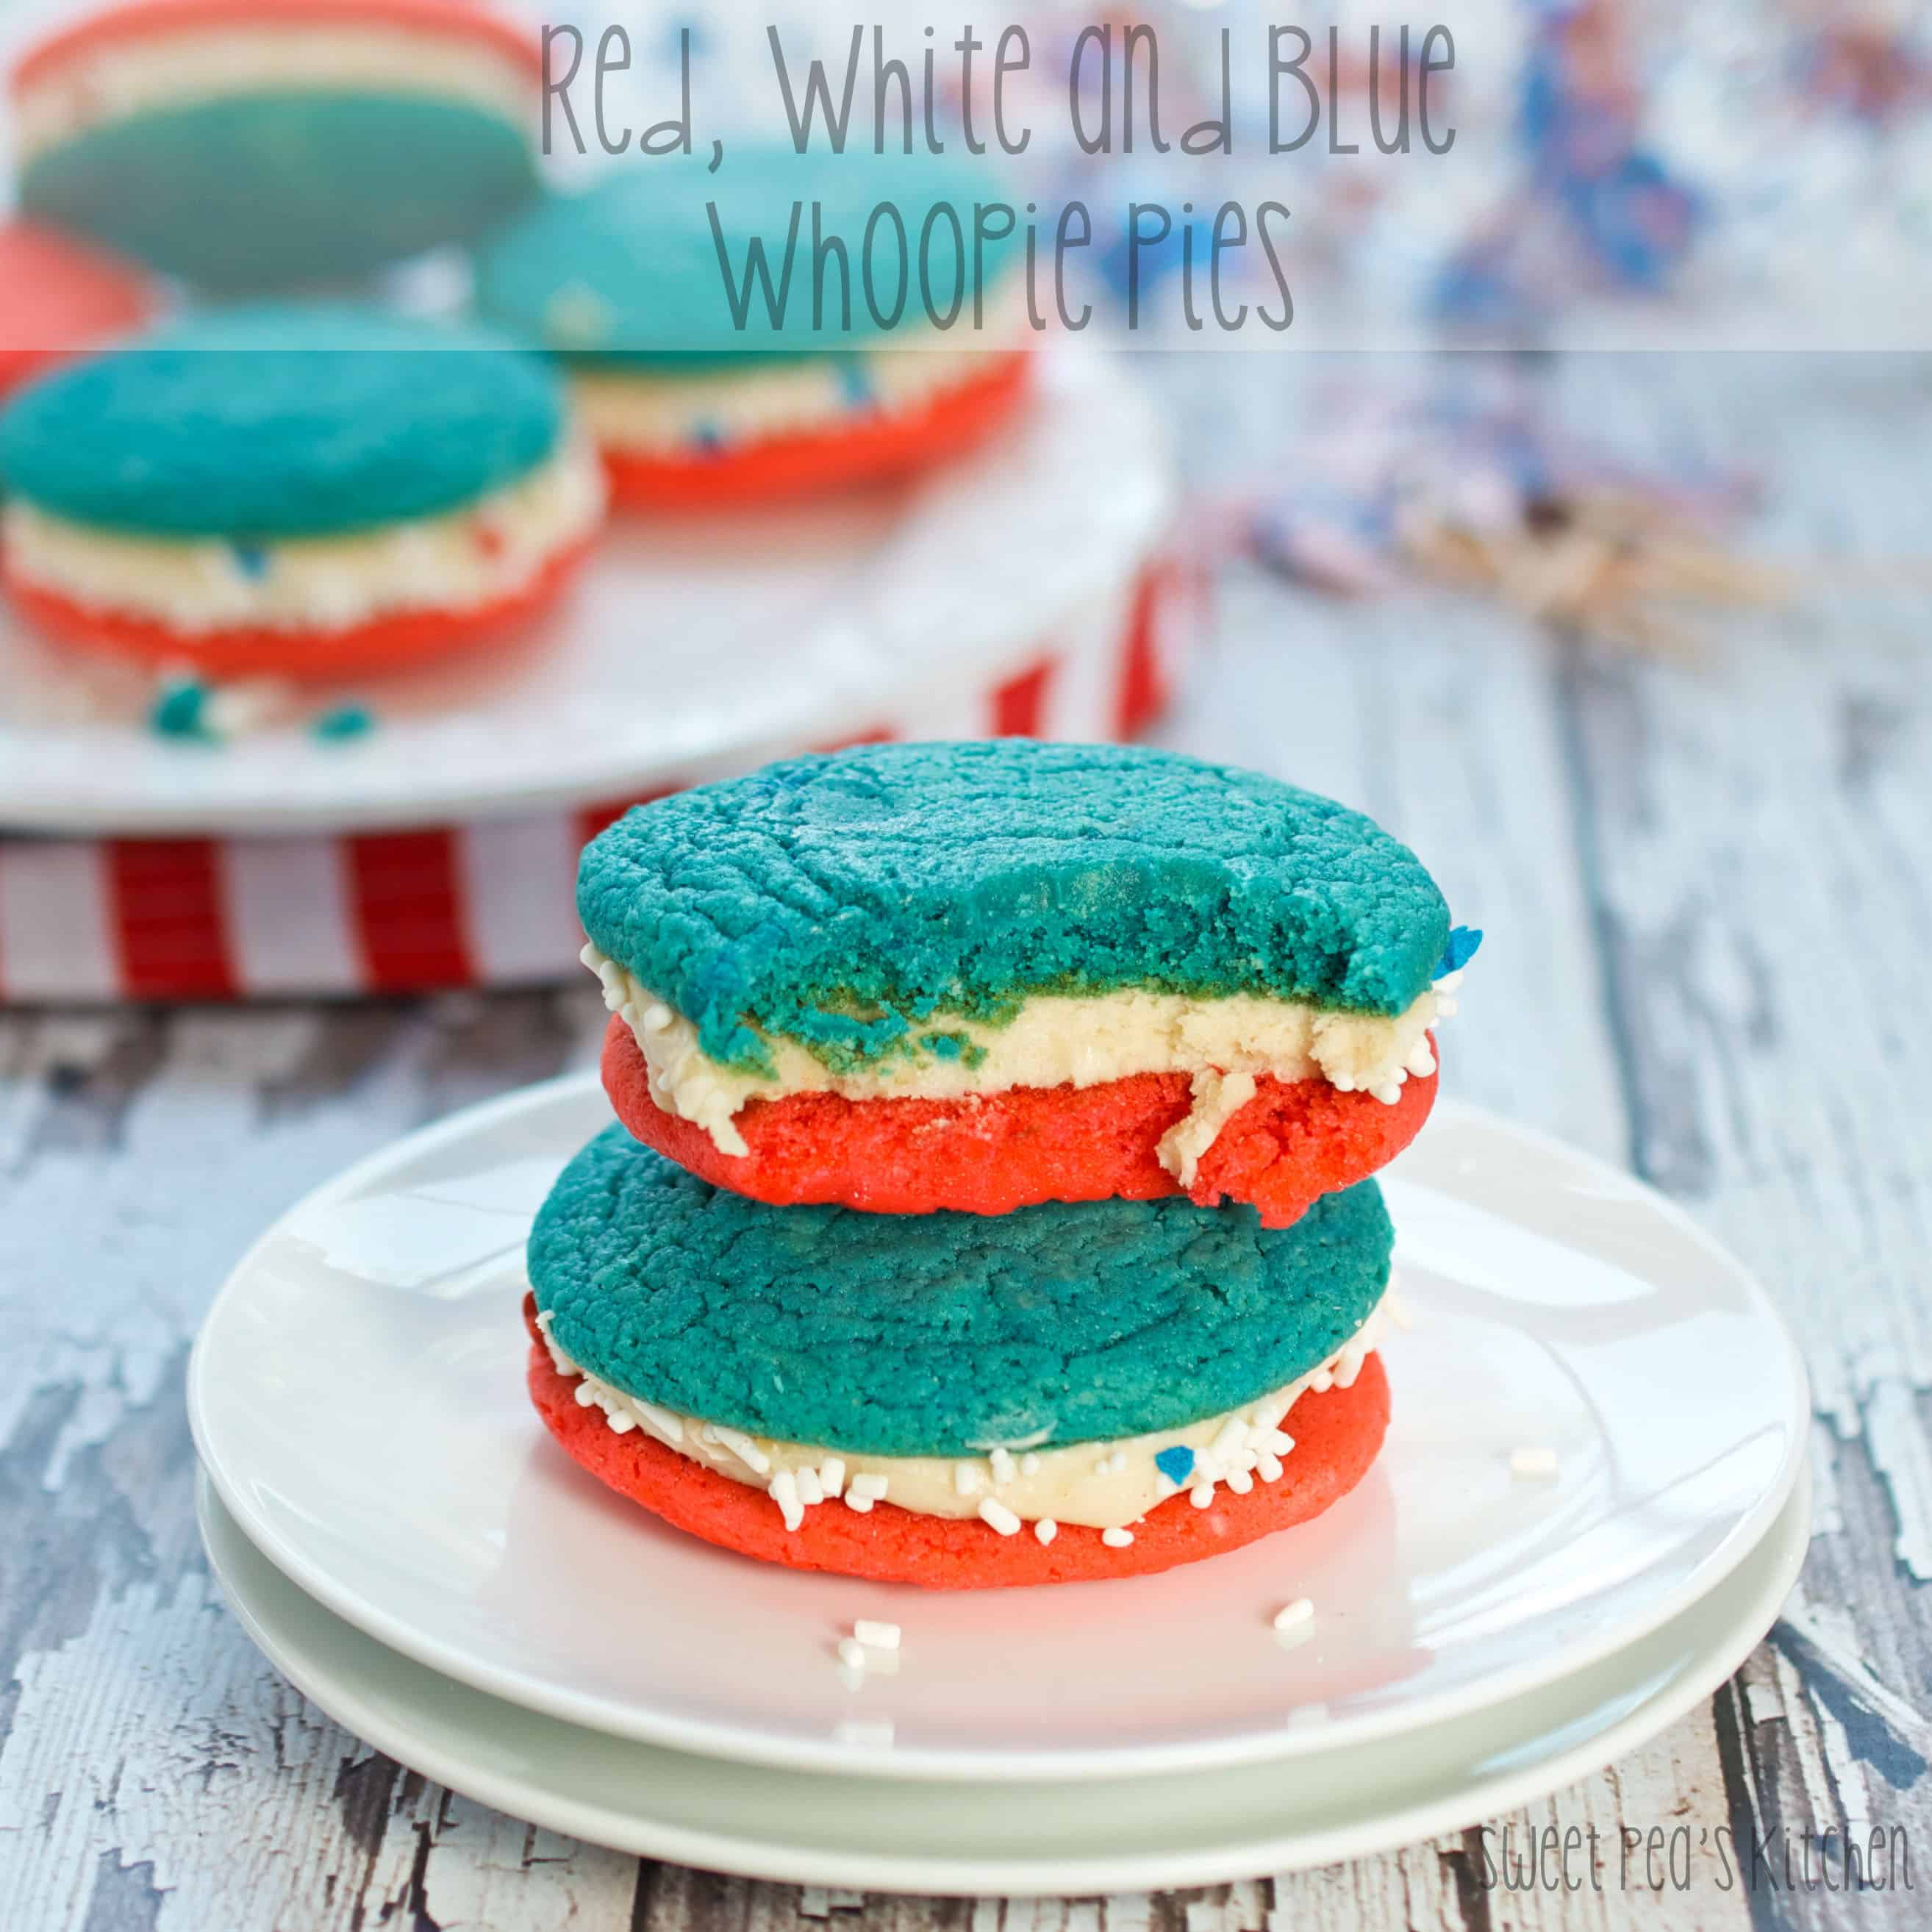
(1708,885)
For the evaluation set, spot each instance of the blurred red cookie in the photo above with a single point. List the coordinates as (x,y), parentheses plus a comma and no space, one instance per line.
(862,449)
(57,295)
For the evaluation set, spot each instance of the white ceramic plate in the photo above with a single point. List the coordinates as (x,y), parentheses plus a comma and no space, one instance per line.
(692,644)
(1085,1835)
(357,1395)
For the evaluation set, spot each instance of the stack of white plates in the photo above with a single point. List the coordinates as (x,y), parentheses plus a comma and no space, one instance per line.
(1590,1507)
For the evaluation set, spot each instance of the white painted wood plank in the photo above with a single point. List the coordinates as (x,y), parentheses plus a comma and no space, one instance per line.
(1757,819)
(154,1772)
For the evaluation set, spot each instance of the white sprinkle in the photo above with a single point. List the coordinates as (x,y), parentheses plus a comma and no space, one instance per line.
(875,1635)
(994,1512)
(1445,1010)
(861,1505)
(234,709)
(1240,1481)
(1032,1441)
(1201,1495)
(867,1484)
(1269,1467)
(1450,981)
(1113,1464)
(784,1492)
(1046,1529)
(1277,1442)
(742,1446)
(966,1478)
(1117,1539)
(852,1653)
(810,1491)
(586,1394)
(1232,1441)
(1290,1614)
(831,1474)
(1004,1465)
(657,1017)
(1029,1464)
(661,1420)
(1533,1462)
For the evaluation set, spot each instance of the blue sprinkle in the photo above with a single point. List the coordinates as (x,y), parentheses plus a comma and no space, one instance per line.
(181,710)
(707,435)
(1176,1464)
(1460,950)
(855,381)
(250,559)
(346,721)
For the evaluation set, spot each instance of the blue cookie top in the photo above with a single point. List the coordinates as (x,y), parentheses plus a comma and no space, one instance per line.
(280,422)
(941,1334)
(842,900)
(629,271)
(286,188)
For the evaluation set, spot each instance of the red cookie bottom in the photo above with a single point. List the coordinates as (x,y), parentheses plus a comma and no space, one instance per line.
(1337,1434)
(1295,1141)
(57,295)
(869,448)
(393,642)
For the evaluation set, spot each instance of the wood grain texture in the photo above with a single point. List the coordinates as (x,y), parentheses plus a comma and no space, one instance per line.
(1706,884)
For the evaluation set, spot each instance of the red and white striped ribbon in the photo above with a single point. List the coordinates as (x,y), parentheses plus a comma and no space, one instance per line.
(486,903)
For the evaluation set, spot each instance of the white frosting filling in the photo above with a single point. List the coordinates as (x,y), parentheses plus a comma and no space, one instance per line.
(115,80)
(1104,1485)
(1054,1040)
(1218,1098)
(654,414)
(460,561)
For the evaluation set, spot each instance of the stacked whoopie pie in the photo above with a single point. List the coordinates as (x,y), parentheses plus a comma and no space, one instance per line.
(282,489)
(298,486)
(990,1201)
